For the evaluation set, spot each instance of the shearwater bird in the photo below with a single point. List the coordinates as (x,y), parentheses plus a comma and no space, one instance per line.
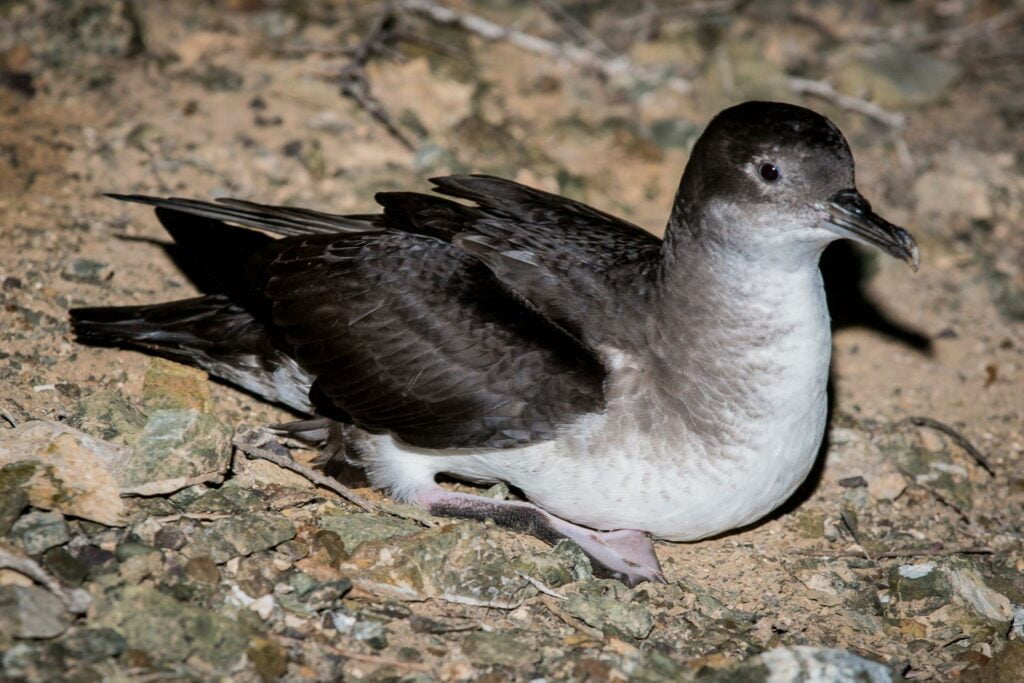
(629,387)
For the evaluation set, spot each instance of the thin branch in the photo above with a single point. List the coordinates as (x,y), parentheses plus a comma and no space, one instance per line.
(824,90)
(891,554)
(355,85)
(541,586)
(958,438)
(321,480)
(76,600)
(574,54)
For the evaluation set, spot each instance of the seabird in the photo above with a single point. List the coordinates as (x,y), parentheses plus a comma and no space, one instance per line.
(629,387)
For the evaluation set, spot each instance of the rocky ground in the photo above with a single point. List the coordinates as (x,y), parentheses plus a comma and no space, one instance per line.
(135,544)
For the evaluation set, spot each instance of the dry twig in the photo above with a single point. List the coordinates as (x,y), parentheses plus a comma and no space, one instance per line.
(892,554)
(579,55)
(824,90)
(958,438)
(321,480)
(354,83)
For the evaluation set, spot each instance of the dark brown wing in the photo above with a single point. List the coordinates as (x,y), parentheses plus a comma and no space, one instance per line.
(585,270)
(408,334)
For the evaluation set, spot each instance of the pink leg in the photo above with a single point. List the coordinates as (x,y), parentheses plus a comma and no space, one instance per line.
(623,554)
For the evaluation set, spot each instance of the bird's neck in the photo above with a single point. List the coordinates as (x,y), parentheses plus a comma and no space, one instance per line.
(739,341)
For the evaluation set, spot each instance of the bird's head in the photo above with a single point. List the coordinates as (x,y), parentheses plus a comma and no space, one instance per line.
(776,181)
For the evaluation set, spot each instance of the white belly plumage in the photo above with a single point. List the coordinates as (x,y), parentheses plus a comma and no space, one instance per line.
(607,478)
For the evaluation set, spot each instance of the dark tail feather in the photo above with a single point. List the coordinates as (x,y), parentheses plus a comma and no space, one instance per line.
(208,332)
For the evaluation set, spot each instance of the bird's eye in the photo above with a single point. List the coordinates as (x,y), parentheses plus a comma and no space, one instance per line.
(768,172)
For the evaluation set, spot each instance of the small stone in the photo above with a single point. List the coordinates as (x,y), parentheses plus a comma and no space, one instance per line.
(371,632)
(887,486)
(611,615)
(169,537)
(138,567)
(65,566)
(37,532)
(92,644)
(126,551)
(853,482)
(500,648)
(172,386)
(263,606)
(327,595)
(227,499)
(31,612)
(268,658)
(223,539)
(203,569)
(86,271)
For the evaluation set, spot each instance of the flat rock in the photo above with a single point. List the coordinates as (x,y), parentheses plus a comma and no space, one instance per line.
(31,612)
(61,468)
(501,648)
(896,77)
(240,535)
(176,449)
(172,386)
(37,532)
(461,563)
(355,528)
(612,613)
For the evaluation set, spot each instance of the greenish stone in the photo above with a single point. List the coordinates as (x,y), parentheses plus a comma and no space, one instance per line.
(896,77)
(269,659)
(171,631)
(177,444)
(354,528)
(38,531)
(12,502)
(462,563)
(65,566)
(92,644)
(31,612)
(86,271)
(556,566)
(920,581)
(611,615)
(228,499)
(108,415)
(223,539)
(674,132)
(502,648)
(126,551)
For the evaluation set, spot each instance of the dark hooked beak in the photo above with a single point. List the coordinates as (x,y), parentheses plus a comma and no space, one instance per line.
(850,216)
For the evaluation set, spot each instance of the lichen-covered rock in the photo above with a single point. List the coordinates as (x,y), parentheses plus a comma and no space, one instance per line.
(500,647)
(108,415)
(897,77)
(172,631)
(605,605)
(563,563)
(172,386)
(462,563)
(354,528)
(37,532)
(177,448)
(61,468)
(31,612)
(236,536)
